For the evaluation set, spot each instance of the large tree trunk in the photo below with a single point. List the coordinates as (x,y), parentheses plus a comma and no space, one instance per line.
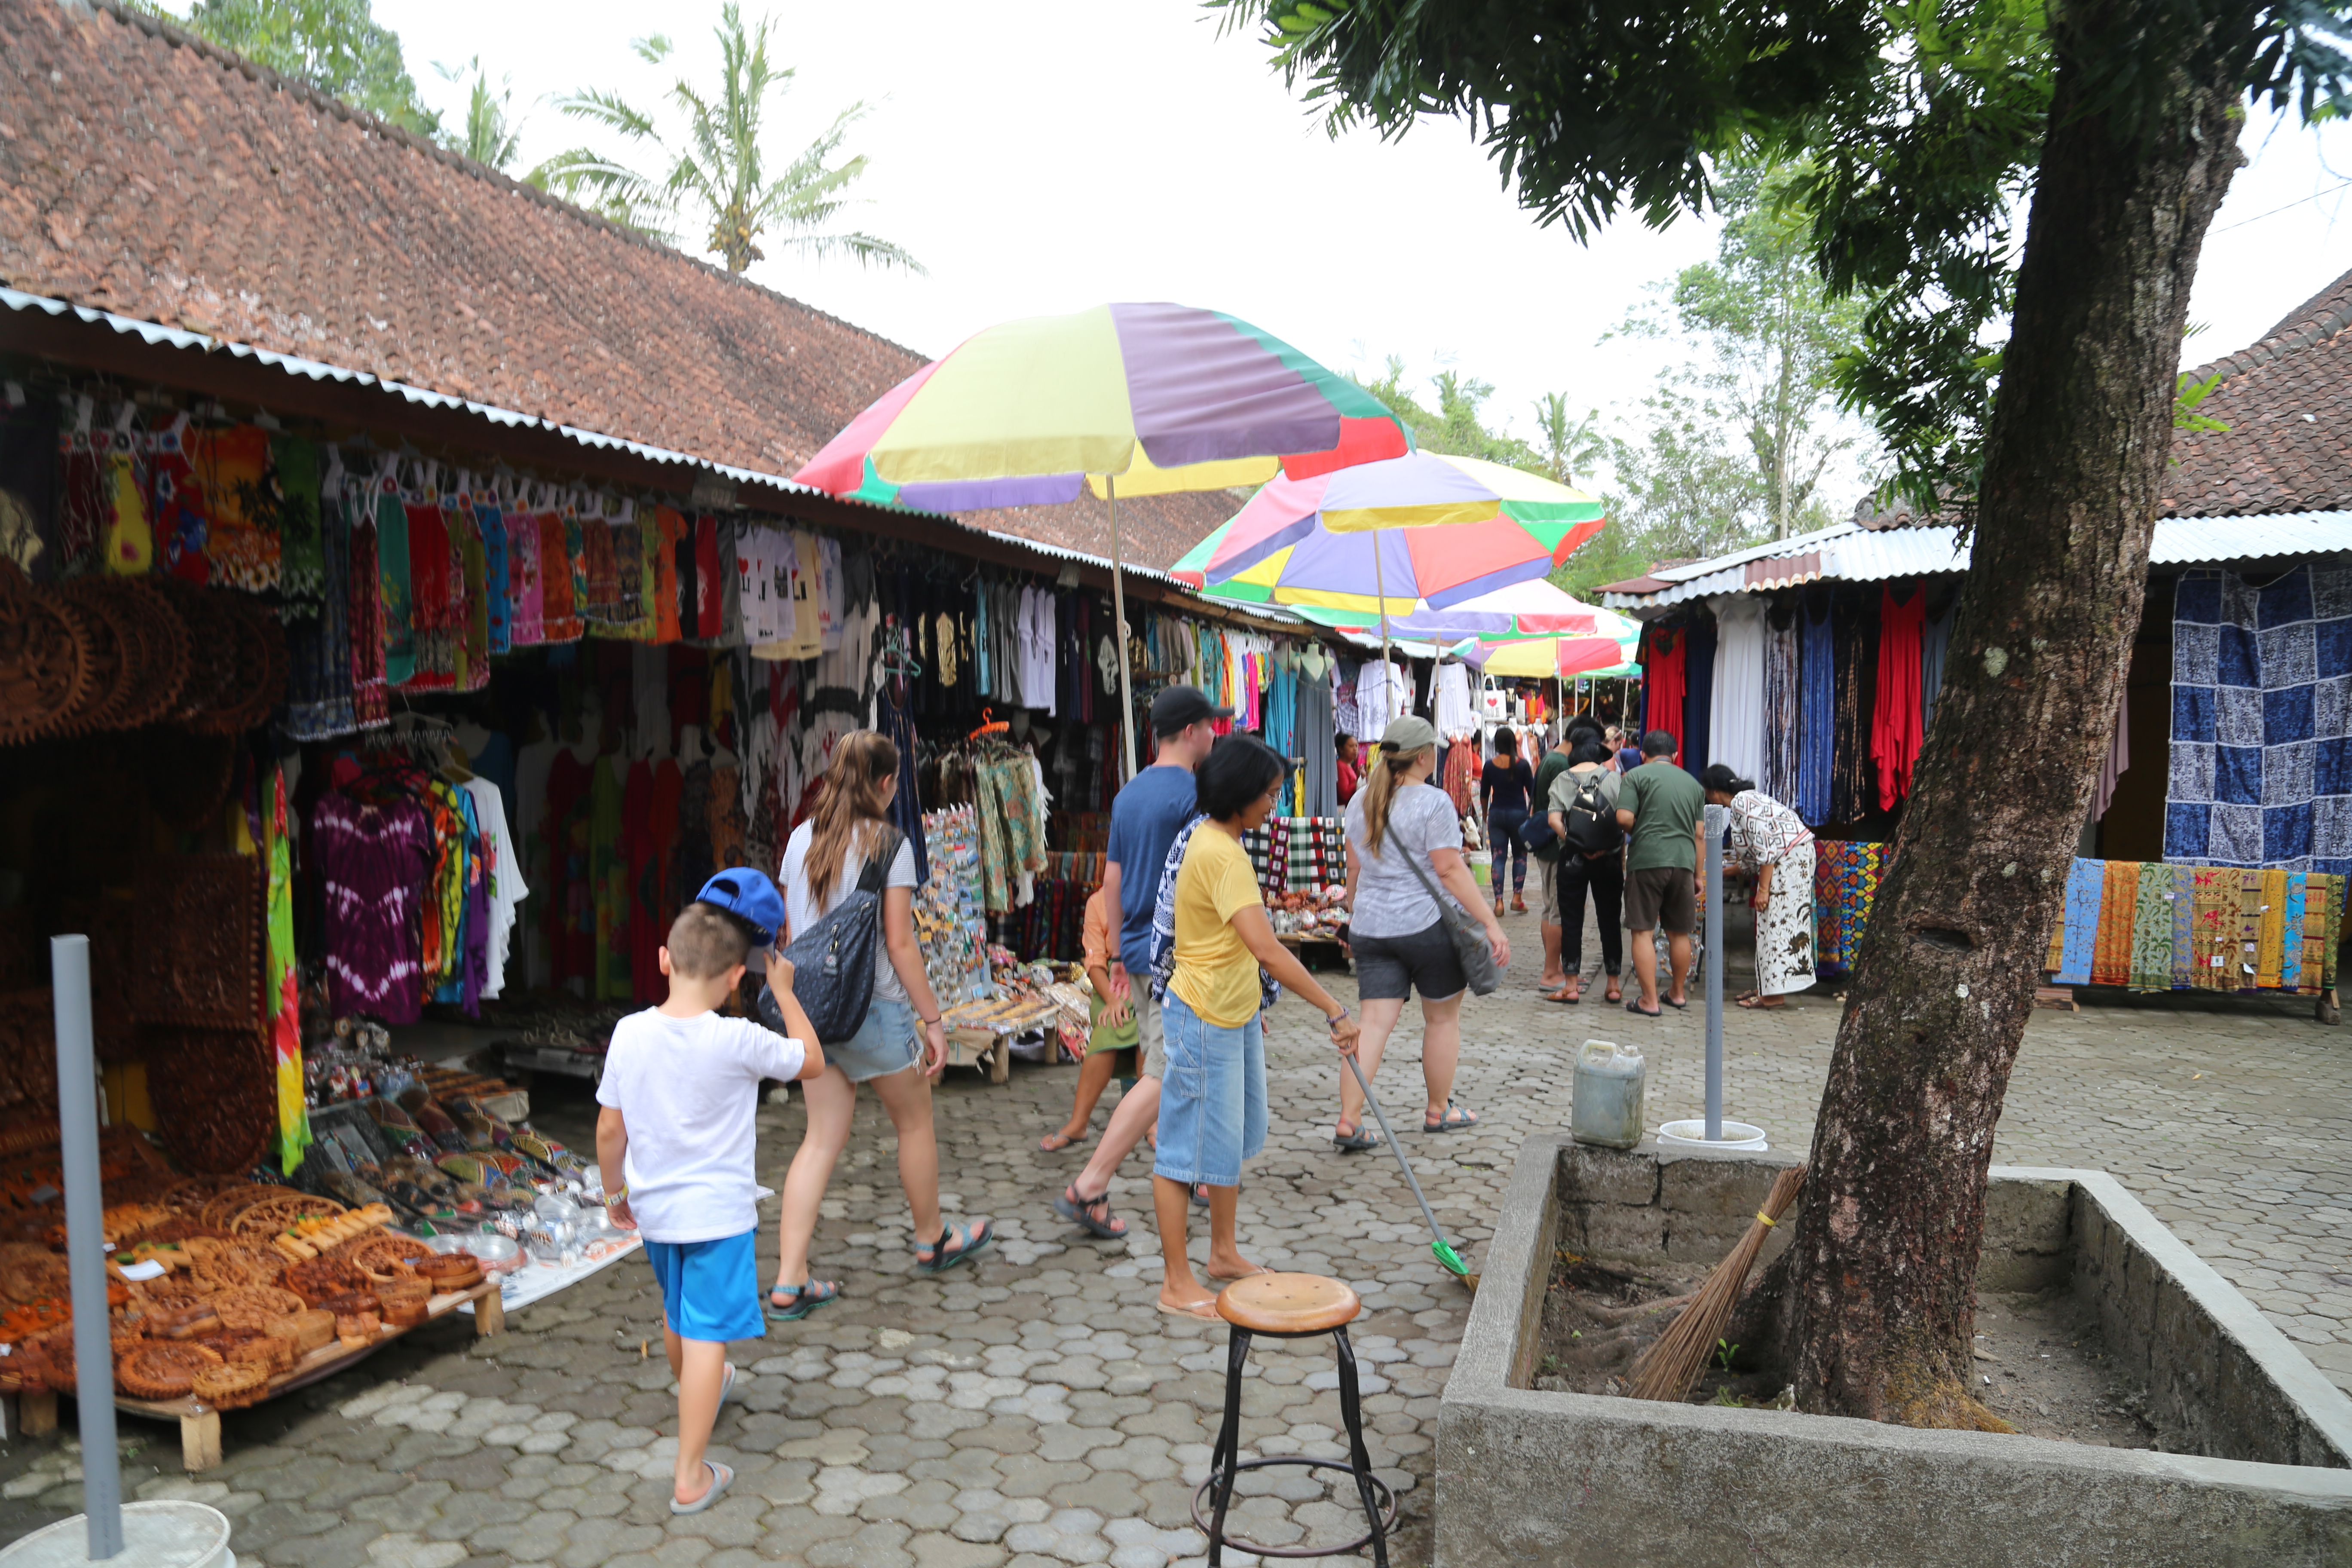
(1881,1272)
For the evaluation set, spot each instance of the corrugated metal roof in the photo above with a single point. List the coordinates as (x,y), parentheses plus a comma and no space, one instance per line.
(176,337)
(1851,554)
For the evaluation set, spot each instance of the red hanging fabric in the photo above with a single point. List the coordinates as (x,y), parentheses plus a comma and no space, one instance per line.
(1898,723)
(1662,668)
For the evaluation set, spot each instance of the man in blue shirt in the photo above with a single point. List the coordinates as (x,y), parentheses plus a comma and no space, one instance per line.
(1145,818)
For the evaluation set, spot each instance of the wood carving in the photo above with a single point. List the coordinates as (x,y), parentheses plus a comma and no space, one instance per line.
(198,947)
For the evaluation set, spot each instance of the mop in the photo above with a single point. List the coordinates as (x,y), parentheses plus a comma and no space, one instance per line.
(1447,1256)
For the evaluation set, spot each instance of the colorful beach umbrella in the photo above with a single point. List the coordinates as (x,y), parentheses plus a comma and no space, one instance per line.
(1523,517)
(1523,610)
(1136,399)
(1565,657)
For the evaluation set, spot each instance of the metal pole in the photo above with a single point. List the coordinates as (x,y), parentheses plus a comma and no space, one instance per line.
(1381,587)
(1714,821)
(102,1478)
(1118,614)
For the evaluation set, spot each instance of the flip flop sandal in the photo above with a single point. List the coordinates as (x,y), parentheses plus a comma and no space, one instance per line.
(1354,1142)
(1093,1212)
(727,1386)
(1454,1120)
(1054,1143)
(1200,1193)
(1758,1004)
(807,1297)
(1229,1279)
(1198,1312)
(720,1479)
(1633,1007)
(1563,998)
(1677,1006)
(957,1244)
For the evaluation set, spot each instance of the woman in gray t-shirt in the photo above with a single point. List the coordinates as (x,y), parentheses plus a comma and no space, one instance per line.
(1397,821)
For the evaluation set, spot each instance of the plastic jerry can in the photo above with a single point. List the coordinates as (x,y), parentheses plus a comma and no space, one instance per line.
(1607,1105)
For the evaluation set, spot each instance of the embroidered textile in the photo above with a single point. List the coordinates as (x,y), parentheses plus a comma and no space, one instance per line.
(2261,765)
(2111,948)
(2151,936)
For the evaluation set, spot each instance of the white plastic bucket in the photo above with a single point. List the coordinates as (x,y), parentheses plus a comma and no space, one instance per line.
(1739,1135)
(1481,864)
(166,1534)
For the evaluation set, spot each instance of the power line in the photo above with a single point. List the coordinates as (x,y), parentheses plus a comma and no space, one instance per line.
(2275,211)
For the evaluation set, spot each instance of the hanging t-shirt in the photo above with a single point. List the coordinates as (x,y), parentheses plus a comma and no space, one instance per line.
(830,611)
(1455,715)
(503,874)
(807,636)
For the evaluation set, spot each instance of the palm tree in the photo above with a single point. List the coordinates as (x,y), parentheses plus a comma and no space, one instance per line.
(716,175)
(1569,448)
(489,137)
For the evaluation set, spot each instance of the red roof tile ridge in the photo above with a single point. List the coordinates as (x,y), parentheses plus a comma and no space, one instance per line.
(2313,322)
(253,71)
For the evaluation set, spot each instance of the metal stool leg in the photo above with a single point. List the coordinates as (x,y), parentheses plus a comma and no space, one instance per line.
(1225,1457)
(1351,1414)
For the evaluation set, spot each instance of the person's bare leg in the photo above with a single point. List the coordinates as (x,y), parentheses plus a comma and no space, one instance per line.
(1225,1260)
(1678,949)
(1553,976)
(1380,1021)
(1171,1204)
(701,1376)
(1646,966)
(906,1096)
(827,1099)
(1440,1051)
(1136,1114)
(1093,1077)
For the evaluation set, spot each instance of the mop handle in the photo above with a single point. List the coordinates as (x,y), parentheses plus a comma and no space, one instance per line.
(1395,1147)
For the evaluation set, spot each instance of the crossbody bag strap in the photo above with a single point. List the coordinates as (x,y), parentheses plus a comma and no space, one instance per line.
(876,869)
(1445,912)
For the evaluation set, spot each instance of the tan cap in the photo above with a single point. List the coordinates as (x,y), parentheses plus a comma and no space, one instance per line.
(1409,734)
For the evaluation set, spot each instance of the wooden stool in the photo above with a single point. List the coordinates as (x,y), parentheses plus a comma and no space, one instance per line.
(1290,1307)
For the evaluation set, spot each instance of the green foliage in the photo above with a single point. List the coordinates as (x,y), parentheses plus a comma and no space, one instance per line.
(335,46)
(1724,1352)
(1568,448)
(1455,427)
(1923,121)
(490,136)
(715,178)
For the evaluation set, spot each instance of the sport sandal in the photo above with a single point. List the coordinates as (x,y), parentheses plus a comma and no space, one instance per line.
(957,1244)
(790,1303)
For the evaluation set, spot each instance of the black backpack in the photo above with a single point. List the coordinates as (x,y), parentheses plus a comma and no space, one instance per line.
(1592,821)
(833,960)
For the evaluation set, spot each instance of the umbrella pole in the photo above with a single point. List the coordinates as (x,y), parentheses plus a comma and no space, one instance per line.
(1381,587)
(1118,615)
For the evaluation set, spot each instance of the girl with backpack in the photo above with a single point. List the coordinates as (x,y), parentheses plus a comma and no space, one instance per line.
(848,846)
(1584,814)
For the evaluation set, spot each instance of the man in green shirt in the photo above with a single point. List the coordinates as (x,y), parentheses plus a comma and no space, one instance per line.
(1661,810)
(1555,762)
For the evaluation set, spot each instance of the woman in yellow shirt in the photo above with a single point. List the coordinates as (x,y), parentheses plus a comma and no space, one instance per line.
(1212,1101)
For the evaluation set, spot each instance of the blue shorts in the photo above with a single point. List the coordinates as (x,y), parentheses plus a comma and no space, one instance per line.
(710,1289)
(1213,1099)
(886,1043)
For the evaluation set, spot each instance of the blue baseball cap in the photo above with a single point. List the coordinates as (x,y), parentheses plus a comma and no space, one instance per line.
(750,898)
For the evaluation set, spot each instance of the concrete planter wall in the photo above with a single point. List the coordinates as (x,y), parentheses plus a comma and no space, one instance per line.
(1529,1478)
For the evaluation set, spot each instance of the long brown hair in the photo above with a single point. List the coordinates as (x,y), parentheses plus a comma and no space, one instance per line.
(1389,768)
(851,806)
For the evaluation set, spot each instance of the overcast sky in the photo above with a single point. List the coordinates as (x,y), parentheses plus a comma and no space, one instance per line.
(1041,159)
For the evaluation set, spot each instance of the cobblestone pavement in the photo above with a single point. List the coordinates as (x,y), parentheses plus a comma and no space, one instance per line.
(1035,1410)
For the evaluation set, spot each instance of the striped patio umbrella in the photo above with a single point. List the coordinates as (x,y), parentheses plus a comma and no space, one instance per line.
(1522,611)
(1384,538)
(1139,399)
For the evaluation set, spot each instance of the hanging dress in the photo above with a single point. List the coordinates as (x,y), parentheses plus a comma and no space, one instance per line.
(1736,722)
(1896,728)
(1817,712)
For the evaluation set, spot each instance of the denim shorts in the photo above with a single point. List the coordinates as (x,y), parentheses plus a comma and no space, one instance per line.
(886,1043)
(1213,1099)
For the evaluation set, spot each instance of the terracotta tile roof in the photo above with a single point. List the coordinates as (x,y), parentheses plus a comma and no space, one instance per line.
(2288,403)
(146,173)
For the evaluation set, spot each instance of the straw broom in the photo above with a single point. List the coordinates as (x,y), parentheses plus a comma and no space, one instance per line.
(1673,1361)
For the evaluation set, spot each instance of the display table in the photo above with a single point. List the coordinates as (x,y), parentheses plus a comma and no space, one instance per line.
(537,1282)
(200,1434)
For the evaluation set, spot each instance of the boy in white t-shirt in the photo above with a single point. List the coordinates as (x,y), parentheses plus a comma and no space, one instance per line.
(675,1144)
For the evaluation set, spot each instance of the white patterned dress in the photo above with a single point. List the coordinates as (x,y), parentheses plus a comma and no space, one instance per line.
(1765,833)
